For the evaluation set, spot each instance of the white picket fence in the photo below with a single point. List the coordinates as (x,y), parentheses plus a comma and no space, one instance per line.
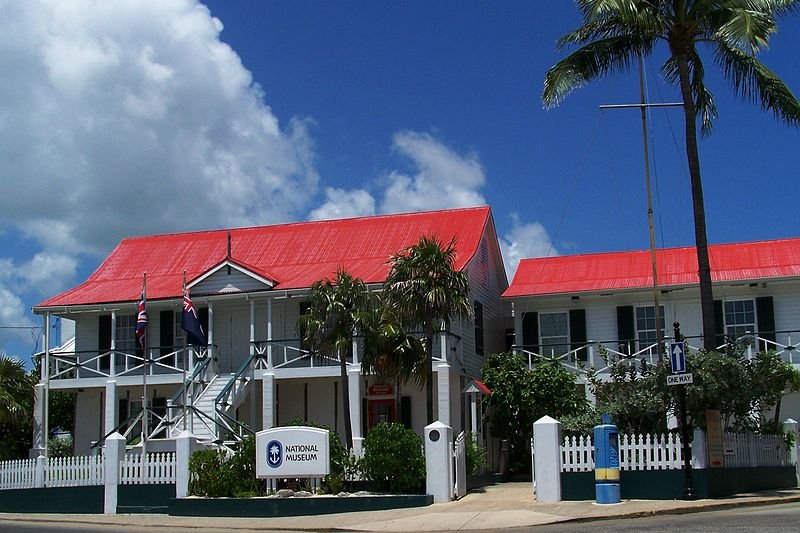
(664,452)
(19,474)
(748,450)
(77,471)
(157,468)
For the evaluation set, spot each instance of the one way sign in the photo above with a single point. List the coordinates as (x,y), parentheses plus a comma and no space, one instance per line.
(677,357)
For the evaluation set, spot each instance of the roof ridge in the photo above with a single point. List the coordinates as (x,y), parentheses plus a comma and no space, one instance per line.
(307,222)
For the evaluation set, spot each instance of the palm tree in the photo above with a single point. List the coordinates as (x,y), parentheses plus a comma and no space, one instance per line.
(16,391)
(425,291)
(615,33)
(330,323)
(390,352)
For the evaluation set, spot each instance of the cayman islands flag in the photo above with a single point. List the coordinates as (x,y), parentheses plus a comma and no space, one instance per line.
(190,323)
(141,320)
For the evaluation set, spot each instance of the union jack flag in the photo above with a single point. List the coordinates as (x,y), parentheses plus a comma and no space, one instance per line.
(141,320)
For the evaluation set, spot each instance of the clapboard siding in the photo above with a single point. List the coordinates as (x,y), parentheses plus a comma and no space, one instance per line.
(222,282)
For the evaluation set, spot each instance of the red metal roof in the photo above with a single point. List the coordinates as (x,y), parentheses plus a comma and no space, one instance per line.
(294,255)
(676,266)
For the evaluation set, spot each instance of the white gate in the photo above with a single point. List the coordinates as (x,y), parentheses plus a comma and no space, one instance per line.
(460,460)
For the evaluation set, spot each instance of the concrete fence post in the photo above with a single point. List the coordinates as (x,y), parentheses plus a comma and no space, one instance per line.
(114,452)
(791,425)
(39,474)
(439,462)
(699,449)
(185,445)
(547,459)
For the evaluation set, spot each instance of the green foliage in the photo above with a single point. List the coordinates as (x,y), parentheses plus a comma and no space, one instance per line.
(216,473)
(393,459)
(475,454)
(16,408)
(636,397)
(207,475)
(60,447)
(520,397)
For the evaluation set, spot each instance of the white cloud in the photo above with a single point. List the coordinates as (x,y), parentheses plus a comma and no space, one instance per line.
(443,178)
(49,273)
(128,117)
(340,203)
(14,319)
(525,240)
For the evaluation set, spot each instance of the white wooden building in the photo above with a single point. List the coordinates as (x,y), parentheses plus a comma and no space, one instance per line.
(568,306)
(249,285)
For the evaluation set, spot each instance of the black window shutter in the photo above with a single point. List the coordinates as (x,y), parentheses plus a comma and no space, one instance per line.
(405,411)
(166,331)
(478,328)
(123,413)
(577,332)
(530,332)
(766,321)
(626,328)
(719,322)
(202,315)
(104,339)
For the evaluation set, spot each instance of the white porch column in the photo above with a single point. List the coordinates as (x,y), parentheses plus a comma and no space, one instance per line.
(443,392)
(473,414)
(46,398)
(252,327)
(269,333)
(268,401)
(111,406)
(112,359)
(354,388)
(547,459)
(37,445)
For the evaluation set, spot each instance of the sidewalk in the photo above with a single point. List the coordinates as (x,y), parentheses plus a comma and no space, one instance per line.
(505,505)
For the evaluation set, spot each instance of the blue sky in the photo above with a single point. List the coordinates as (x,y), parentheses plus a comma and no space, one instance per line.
(131,118)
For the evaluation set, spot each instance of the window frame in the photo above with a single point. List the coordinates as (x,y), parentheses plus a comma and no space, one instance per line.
(544,339)
(641,342)
(751,327)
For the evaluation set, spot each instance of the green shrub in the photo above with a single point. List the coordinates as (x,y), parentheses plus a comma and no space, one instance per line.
(393,459)
(475,454)
(59,447)
(207,476)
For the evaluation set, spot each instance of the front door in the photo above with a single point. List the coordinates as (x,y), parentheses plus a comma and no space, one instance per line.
(380,411)
(231,337)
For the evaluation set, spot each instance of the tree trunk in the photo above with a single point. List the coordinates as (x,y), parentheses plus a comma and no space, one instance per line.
(345,385)
(429,368)
(701,240)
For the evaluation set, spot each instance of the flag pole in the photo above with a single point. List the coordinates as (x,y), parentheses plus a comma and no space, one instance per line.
(186,355)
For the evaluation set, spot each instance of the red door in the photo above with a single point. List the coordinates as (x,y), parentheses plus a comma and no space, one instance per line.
(380,411)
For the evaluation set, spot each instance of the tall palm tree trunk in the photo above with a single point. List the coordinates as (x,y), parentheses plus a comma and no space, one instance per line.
(701,239)
(343,380)
(429,367)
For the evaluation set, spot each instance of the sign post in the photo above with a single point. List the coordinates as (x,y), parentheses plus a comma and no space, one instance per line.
(678,359)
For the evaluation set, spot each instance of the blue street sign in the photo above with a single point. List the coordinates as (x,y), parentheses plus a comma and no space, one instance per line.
(678,357)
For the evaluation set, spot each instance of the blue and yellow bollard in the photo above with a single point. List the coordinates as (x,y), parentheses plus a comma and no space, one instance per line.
(606,463)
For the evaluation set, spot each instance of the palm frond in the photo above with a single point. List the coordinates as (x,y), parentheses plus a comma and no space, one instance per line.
(592,61)
(746,28)
(755,82)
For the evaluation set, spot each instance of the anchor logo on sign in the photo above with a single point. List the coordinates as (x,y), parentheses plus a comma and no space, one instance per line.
(274,454)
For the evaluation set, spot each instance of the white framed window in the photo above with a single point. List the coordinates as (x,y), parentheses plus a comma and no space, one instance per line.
(554,333)
(126,334)
(646,325)
(740,317)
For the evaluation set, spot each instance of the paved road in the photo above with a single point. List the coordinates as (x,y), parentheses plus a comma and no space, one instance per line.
(773,519)
(782,518)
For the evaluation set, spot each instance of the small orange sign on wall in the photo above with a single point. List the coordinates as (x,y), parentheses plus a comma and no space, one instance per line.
(380,389)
